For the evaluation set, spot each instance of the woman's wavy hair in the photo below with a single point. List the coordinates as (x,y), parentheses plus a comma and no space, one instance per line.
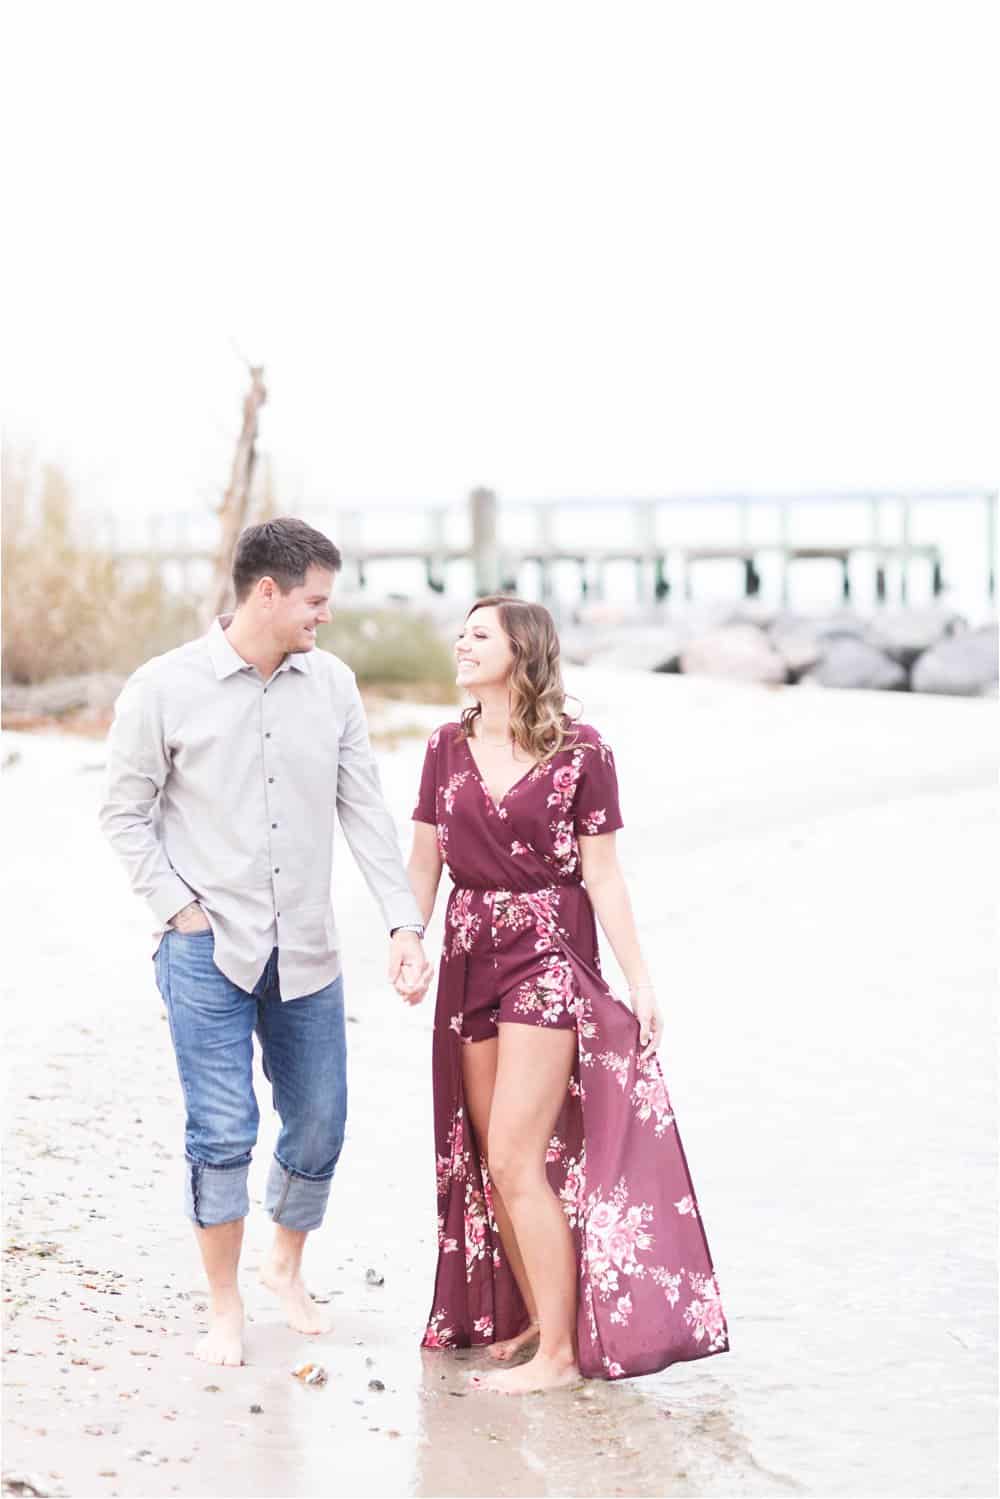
(538,719)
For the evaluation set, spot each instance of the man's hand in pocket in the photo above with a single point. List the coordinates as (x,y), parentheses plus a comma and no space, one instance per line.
(191,919)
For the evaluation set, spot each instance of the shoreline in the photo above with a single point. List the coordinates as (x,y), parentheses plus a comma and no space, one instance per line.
(812,874)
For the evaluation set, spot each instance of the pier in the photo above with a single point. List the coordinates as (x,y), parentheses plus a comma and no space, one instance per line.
(666,565)
(662,569)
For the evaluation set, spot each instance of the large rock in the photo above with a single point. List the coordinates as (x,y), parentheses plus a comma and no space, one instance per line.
(693,618)
(843,623)
(965,664)
(905,634)
(95,691)
(655,648)
(577,644)
(753,612)
(798,647)
(847,662)
(741,652)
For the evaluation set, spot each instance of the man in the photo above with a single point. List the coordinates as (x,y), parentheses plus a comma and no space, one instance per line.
(226,758)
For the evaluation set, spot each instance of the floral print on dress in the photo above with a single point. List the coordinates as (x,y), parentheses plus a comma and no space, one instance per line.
(437,1336)
(648,1295)
(616,1234)
(550,994)
(649,1098)
(670,1283)
(464,921)
(704,1313)
(450,791)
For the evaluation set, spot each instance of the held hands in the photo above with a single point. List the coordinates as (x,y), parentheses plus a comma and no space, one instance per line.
(409,971)
(647,1012)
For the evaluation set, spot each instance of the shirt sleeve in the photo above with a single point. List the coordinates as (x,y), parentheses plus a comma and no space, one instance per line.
(596,809)
(426,808)
(138,767)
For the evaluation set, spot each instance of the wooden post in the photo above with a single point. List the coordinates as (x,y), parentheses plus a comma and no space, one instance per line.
(880,577)
(264,506)
(644,524)
(783,531)
(904,576)
(154,549)
(485,554)
(233,509)
(348,539)
(436,543)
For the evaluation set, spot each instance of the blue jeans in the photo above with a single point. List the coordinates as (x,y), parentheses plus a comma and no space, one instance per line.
(212,1023)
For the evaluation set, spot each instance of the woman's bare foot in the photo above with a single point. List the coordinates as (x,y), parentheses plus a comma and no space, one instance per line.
(539,1373)
(223,1343)
(300,1310)
(504,1351)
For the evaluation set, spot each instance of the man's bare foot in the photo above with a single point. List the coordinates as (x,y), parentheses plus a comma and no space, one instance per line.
(504,1351)
(300,1310)
(539,1373)
(223,1343)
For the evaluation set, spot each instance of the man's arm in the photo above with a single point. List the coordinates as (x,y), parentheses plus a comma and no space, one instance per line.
(368,826)
(138,766)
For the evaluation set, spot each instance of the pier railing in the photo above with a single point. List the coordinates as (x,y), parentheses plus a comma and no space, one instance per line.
(665,564)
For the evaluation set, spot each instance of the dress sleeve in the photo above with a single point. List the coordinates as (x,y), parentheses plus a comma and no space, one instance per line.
(426,808)
(596,808)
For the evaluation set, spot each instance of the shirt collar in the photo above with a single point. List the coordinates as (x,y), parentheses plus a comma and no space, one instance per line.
(227,660)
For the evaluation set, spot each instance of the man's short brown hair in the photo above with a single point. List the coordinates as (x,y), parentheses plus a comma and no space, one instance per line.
(282,549)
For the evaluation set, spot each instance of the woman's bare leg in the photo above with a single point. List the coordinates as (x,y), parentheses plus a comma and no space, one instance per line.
(479,1070)
(533,1070)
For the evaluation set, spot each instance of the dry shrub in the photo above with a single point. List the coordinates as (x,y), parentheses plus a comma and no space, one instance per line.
(68,607)
(395,650)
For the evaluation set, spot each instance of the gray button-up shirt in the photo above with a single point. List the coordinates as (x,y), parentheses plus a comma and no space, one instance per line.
(221,788)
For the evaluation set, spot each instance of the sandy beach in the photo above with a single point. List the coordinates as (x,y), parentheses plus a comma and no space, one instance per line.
(812,874)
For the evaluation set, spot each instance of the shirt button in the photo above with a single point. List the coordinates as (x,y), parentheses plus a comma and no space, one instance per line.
(274,824)
(268,734)
(270,780)
(277,871)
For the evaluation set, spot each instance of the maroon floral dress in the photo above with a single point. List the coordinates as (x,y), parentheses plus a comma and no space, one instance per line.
(647,1291)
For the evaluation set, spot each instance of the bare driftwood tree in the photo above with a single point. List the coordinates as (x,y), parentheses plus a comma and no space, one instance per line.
(236,500)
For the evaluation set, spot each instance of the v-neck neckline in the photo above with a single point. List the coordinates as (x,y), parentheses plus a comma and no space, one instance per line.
(479,776)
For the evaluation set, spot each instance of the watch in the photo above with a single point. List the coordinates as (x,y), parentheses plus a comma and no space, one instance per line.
(408,926)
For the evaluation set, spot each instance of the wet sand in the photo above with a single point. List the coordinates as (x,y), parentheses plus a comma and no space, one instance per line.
(812,875)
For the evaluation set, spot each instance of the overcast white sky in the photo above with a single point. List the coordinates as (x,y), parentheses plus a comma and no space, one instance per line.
(562,249)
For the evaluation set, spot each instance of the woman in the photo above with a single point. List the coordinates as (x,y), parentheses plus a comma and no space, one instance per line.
(566,1213)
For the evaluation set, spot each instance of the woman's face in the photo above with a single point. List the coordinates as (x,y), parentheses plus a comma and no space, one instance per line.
(482,652)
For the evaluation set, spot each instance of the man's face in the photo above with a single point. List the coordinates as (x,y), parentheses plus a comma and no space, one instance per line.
(296,615)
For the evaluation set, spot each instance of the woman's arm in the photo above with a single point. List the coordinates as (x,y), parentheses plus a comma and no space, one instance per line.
(424,868)
(609,897)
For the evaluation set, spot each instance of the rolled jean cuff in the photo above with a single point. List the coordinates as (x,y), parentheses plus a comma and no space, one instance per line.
(294,1201)
(215,1194)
